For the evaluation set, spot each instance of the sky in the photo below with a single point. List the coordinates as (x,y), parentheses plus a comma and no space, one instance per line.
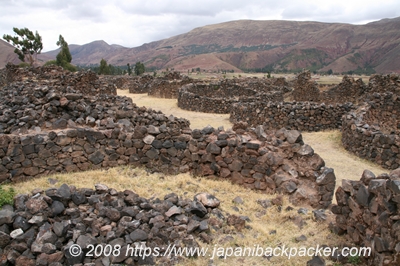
(133,23)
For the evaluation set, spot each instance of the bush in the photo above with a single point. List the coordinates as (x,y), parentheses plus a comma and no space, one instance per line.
(6,196)
(51,62)
(24,64)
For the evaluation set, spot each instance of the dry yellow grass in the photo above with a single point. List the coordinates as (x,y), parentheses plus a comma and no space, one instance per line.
(170,106)
(346,165)
(158,185)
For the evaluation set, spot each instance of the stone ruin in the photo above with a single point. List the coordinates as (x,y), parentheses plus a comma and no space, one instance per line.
(305,116)
(373,130)
(367,211)
(305,89)
(43,227)
(50,124)
(218,97)
(53,128)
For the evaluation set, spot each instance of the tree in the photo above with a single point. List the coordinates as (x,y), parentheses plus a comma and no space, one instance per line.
(104,68)
(64,57)
(26,44)
(139,68)
(129,69)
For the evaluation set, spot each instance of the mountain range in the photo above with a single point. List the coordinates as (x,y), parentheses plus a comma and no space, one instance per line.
(255,45)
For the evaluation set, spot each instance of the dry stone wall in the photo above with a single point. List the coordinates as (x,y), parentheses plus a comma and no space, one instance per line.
(372,131)
(384,83)
(305,89)
(349,90)
(140,84)
(218,98)
(305,116)
(270,162)
(45,227)
(55,129)
(367,211)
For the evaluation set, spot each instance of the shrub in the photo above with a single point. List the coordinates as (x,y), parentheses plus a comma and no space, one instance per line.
(6,196)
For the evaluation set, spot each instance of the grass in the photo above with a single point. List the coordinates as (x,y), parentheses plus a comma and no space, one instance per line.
(170,106)
(263,221)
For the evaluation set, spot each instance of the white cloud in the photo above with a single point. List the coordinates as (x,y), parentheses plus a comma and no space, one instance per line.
(132,23)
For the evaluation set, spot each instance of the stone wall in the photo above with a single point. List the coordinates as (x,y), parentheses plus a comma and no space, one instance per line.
(164,88)
(218,98)
(270,162)
(367,211)
(372,131)
(86,82)
(141,84)
(44,227)
(349,90)
(305,89)
(384,83)
(305,116)
(56,129)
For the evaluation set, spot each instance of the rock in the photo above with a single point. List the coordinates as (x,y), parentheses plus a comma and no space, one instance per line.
(174,210)
(6,216)
(301,238)
(207,200)
(326,177)
(293,136)
(316,261)
(237,200)
(138,235)
(96,157)
(198,209)
(305,150)
(236,222)
(57,208)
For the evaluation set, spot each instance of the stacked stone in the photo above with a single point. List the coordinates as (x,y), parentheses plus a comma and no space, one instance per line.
(164,88)
(368,212)
(305,89)
(305,116)
(37,106)
(349,90)
(372,131)
(274,162)
(218,98)
(50,227)
(141,84)
(384,83)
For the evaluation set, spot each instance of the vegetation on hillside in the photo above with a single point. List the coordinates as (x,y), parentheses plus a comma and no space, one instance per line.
(27,45)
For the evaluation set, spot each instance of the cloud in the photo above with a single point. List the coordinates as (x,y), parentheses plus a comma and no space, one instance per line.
(132,23)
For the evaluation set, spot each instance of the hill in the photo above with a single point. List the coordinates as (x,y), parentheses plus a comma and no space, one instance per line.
(7,54)
(261,45)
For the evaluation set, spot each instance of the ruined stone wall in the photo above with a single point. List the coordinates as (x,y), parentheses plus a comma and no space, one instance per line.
(305,116)
(305,89)
(141,84)
(367,211)
(272,162)
(384,83)
(57,129)
(349,90)
(162,88)
(43,228)
(216,98)
(372,131)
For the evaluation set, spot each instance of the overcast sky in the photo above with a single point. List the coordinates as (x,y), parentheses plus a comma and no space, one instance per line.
(132,23)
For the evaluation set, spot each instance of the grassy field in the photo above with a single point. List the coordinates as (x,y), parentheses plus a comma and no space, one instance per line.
(263,222)
(320,79)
